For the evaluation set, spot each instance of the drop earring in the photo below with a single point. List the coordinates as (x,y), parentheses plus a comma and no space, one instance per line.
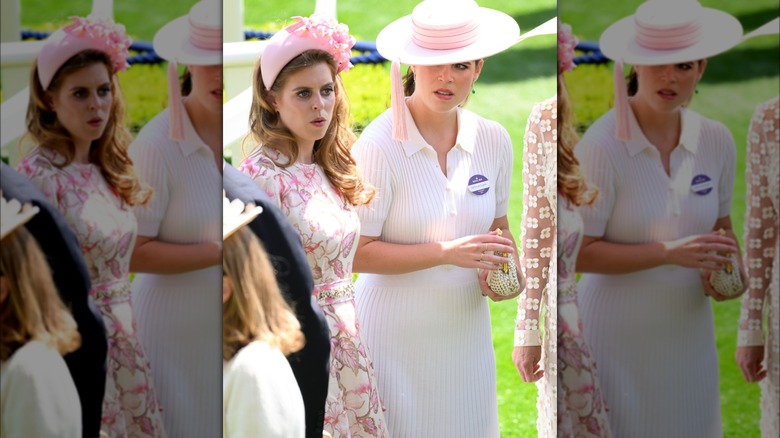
(473,90)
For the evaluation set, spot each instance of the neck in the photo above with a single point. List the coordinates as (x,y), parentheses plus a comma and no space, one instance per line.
(435,127)
(305,152)
(81,151)
(662,128)
(207,124)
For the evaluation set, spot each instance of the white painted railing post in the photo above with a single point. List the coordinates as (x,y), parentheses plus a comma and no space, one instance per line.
(14,78)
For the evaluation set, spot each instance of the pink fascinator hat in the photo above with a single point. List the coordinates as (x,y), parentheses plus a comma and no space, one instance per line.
(193,39)
(444,32)
(567,42)
(664,32)
(90,33)
(313,33)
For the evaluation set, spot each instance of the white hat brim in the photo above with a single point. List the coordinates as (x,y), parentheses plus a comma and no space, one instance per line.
(172,43)
(239,221)
(497,32)
(719,32)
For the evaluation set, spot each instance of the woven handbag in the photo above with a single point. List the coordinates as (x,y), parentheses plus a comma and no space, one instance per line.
(727,281)
(503,281)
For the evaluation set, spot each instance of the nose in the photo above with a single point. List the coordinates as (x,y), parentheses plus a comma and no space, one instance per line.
(317,102)
(669,73)
(445,76)
(94,101)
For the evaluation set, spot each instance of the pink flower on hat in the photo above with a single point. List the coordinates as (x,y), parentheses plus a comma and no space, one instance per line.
(108,37)
(333,36)
(566,44)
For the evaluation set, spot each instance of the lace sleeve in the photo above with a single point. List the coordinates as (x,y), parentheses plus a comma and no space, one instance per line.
(538,224)
(761,227)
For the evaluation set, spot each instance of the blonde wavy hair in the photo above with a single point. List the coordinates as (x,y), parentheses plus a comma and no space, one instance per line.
(109,152)
(571,183)
(256,309)
(33,309)
(331,152)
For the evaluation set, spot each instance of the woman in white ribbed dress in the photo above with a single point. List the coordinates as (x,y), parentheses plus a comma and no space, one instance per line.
(176,292)
(442,176)
(665,176)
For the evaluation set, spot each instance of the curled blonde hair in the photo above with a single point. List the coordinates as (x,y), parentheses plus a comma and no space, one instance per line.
(256,309)
(33,309)
(571,183)
(331,152)
(109,152)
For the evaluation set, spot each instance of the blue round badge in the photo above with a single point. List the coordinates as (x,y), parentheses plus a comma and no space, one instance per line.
(701,184)
(479,184)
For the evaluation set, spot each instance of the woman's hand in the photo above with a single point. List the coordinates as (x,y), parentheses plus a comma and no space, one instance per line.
(488,292)
(701,251)
(749,360)
(477,251)
(526,361)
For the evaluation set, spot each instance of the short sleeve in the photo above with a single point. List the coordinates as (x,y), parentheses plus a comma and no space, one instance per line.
(152,169)
(504,178)
(375,169)
(598,170)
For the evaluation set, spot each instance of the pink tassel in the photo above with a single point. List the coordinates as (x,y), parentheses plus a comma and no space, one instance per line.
(397,100)
(622,131)
(175,107)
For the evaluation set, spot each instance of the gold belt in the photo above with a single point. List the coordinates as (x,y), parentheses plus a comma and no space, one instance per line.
(567,290)
(345,290)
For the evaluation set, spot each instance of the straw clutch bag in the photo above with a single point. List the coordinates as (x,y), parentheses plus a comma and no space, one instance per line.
(503,281)
(727,281)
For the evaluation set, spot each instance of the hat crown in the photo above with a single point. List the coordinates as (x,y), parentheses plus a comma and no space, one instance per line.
(437,25)
(205,26)
(236,214)
(14,214)
(662,25)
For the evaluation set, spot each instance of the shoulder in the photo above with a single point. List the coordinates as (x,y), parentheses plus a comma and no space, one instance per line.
(546,110)
(35,363)
(254,363)
(768,112)
(153,137)
(379,132)
(600,136)
(39,161)
(262,163)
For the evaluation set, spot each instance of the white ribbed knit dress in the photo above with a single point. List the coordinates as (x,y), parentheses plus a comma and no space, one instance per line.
(179,317)
(429,331)
(651,331)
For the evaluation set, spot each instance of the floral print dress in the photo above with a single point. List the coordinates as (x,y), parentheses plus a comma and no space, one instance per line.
(329,228)
(581,407)
(106,231)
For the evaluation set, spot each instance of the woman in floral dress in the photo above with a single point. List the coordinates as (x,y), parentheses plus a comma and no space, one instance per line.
(299,117)
(80,163)
(581,408)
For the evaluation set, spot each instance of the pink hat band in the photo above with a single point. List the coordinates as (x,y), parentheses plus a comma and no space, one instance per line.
(90,33)
(204,36)
(445,37)
(667,37)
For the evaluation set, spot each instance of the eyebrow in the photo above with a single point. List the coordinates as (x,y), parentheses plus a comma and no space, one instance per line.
(81,87)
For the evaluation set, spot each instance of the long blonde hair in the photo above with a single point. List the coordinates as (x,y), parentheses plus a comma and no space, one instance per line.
(33,309)
(571,182)
(109,152)
(331,152)
(256,309)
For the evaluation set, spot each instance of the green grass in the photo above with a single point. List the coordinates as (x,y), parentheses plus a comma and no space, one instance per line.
(734,83)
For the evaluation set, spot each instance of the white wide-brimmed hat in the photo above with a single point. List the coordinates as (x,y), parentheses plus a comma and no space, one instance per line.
(445,32)
(235,215)
(193,39)
(664,32)
(13,215)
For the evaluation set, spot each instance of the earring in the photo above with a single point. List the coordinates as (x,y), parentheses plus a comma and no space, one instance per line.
(473,90)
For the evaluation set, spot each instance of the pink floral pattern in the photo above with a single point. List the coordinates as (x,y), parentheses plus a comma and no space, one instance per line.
(566,44)
(331,35)
(108,36)
(581,408)
(106,230)
(329,228)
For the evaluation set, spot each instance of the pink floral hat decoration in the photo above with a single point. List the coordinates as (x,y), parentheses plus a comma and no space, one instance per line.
(84,33)
(567,42)
(313,33)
